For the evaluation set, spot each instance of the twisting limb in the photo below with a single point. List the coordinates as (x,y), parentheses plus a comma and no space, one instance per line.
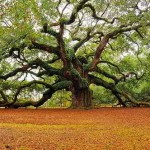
(94,15)
(74,12)
(14,72)
(108,86)
(105,41)
(82,41)
(44,47)
(98,52)
(126,29)
(87,38)
(48,30)
(46,95)
(98,70)
(124,75)
(32,64)
(112,64)
(28,85)
(60,49)
(138,47)
(122,97)
(105,10)
(12,50)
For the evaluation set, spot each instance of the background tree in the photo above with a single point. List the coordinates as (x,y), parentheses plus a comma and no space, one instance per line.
(66,44)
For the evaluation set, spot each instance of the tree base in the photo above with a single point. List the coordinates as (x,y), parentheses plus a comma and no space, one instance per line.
(80,107)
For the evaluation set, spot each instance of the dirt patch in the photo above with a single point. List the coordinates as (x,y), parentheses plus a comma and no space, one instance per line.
(65,129)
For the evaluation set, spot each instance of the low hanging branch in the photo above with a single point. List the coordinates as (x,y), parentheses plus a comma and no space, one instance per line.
(28,85)
(108,86)
(46,95)
(133,101)
(120,95)
(33,64)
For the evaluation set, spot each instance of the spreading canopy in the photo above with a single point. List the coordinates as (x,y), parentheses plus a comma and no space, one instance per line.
(51,45)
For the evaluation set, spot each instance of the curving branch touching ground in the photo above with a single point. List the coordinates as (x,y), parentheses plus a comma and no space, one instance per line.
(133,101)
(123,98)
(108,86)
(46,95)
(28,85)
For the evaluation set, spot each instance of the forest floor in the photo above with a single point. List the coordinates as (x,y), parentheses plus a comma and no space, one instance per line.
(65,129)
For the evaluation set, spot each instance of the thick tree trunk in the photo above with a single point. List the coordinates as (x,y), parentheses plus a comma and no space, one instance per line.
(82,98)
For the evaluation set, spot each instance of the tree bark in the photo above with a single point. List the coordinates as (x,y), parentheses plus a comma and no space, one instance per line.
(82,98)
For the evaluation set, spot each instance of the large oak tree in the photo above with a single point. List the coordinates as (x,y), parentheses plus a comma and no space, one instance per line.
(49,45)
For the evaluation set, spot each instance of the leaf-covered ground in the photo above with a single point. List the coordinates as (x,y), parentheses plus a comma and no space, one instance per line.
(65,129)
